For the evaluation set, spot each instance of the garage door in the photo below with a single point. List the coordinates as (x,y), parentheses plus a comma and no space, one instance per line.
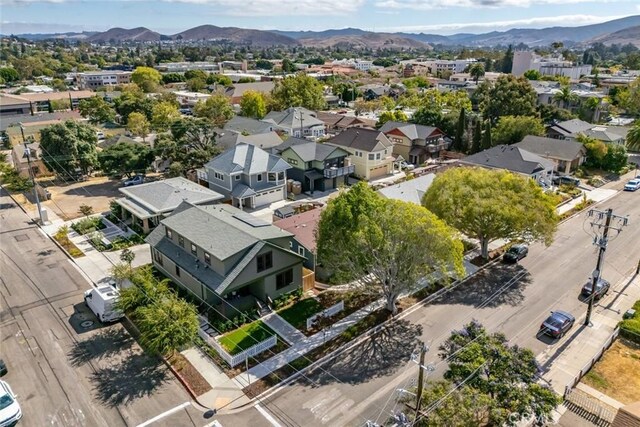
(378,172)
(268,197)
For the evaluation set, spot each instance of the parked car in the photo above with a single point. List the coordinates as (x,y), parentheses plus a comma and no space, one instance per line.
(407,166)
(102,301)
(134,180)
(632,185)
(10,411)
(515,253)
(565,180)
(557,324)
(602,287)
(100,135)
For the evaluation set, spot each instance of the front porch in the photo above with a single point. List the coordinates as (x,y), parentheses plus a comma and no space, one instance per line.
(136,216)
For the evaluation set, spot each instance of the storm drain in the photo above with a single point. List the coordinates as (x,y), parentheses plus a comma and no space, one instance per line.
(21,237)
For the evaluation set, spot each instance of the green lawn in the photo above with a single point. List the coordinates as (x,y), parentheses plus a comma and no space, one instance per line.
(246,336)
(298,313)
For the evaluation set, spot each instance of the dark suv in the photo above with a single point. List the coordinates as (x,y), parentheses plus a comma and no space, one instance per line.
(515,253)
(565,180)
(602,287)
(557,324)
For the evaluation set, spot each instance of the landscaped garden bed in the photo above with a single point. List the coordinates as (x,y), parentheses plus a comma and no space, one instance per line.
(189,374)
(62,237)
(88,225)
(245,336)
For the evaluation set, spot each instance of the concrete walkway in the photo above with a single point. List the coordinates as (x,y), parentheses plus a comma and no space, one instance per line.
(224,390)
(283,328)
(597,195)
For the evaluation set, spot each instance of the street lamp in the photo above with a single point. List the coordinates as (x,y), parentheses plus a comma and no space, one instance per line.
(33,180)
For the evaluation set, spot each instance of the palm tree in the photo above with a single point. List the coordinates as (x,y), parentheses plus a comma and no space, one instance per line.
(565,96)
(476,71)
(633,137)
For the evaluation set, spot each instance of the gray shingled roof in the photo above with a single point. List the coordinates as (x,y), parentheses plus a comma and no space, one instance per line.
(561,149)
(290,118)
(248,159)
(307,150)
(361,139)
(603,134)
(166,195)
(574,126)
(409,191)
(251,126)
(510,158)
(410,130)
(229,139)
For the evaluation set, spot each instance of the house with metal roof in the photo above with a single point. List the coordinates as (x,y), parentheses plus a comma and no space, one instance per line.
(316,166)
(568,155)
(247,176)
(415,143)
(147,204)
(297,121)
(226,257)
(514,159)
(370,151)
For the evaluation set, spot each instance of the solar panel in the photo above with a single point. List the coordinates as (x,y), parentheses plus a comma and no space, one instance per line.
(249,219)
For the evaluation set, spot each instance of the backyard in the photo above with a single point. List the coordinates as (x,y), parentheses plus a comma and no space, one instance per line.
(246,336)
(617,374)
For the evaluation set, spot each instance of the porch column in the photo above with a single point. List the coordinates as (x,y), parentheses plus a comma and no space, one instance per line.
(145,225)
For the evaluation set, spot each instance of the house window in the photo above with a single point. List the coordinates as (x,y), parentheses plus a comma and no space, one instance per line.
(157,256)
(271,176)
(237,177)
(290,244)
(280,176)
(284,279)
(218,176)
(177,271)
(259,178)
(194,249)
(207,258)
(300,250)
(169,234)
(371,156)
(377,156)
(181,241)
(265,261)
(292,161)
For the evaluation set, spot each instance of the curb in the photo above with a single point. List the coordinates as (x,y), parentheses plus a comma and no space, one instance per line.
(363,337)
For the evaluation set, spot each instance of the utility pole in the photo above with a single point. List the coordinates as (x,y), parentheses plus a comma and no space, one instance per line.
(602,242)
(423,352)
(33,180)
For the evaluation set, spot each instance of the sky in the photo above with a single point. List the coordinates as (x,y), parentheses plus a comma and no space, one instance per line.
(430,16)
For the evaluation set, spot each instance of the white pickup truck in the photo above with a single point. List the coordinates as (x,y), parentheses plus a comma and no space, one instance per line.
(102,302)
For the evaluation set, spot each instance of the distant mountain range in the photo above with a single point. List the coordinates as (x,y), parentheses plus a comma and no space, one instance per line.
(624,30)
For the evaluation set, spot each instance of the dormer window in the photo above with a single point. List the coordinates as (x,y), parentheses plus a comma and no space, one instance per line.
(259,177)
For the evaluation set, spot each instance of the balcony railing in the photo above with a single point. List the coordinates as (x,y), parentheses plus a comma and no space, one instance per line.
(336,172)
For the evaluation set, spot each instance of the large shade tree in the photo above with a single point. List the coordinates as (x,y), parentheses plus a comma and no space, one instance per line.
(96,109)
(69,146)
(386,245)
(253,104)
(125,158)
(508,96)
(492,204)
(513,129)
(217,109)
(298,91)
(190,144)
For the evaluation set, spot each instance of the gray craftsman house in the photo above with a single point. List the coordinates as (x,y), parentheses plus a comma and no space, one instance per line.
(247,176)
(225,256)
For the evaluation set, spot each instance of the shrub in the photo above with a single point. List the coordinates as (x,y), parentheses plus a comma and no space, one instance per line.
(630,328)
(87,225)
(288,298)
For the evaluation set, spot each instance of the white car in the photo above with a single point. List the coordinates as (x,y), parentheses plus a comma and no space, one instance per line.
(632,185)
(10,411)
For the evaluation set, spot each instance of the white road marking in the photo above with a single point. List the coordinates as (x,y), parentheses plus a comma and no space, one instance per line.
(268,416)
(214,423)
(164,414)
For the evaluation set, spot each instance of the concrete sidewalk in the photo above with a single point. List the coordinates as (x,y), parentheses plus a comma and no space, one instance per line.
(597,195)
(283,328)
(562,363)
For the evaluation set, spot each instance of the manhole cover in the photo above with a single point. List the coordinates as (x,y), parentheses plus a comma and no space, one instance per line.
(52,265)
(87,324)
(21,237)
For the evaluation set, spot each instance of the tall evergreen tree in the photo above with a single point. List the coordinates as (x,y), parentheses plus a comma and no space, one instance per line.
(459,144)
(486,136)
(476,143)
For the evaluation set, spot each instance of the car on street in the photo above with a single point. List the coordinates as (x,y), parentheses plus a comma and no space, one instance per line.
(134,180)
(10,411)
(632,185)
(557,324)
(602,287)
(407,166)
(515,253)
(565,180)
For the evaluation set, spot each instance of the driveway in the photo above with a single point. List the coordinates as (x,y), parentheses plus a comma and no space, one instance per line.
(95,192)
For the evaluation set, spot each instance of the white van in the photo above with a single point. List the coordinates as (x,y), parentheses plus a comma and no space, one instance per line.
(102,302)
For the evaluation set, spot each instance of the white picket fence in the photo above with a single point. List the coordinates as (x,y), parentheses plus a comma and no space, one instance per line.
(235,359)
(328,312)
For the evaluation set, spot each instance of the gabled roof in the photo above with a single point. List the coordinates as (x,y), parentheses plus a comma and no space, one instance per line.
(290,118)
(343,121)
(308,151)
(229,139)
(248,125)
(603,134)
(37,118)
(34,152)
(511,158)
(562,149)
(238,89)
(166,195)
(361,139)
(303,227)
(409,191)
(410,130)
(247,159)
(572,127)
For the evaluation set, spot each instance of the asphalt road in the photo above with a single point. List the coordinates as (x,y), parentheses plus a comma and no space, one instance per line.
(361,384)
(63,373)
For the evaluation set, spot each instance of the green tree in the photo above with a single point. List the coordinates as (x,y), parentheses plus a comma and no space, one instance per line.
(138,124)
(125,158)
(127,256)
(9,74)
(476,71)
(461,406)
(387,245)
(386,116)
(164,113)
(196,84)
(146,78)
(133,100)
(145,291)
(191,144)
(96,109)
(216,108)
(253,104)
(459,142)
(288,66)
(630,99)
(565,98)
(486,136)
(298,91)
(506,64)
(509,96)
(476,142)
(596,150)
(513,129)
(492,204)
(633,137)
(615,159)
(85,209)
(532,75)
(196,74)
(68,146)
